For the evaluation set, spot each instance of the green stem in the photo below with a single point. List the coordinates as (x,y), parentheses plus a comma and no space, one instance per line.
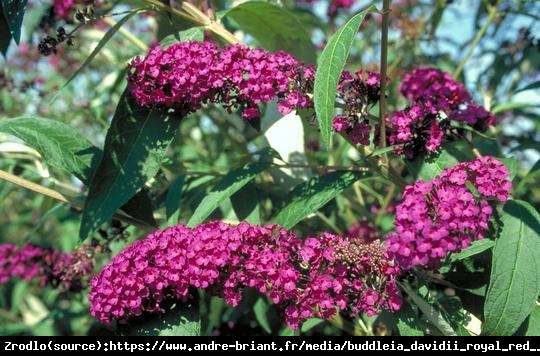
(492,12)
(328,222)
(384,67)
(197,17)
(387,200)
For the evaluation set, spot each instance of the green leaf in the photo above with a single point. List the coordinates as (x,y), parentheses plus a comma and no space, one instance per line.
(60,145)
(432,314)
(191,34)
(310,324)
(515,270)
(13,12)
(245,203)
(531,86)
(260,310)
(408,322)
(511,164)
(436,17)
(274,27)
(331,64)
(286,331)
(428,167)
(310,196)
(174,197)
(476,247)
(64,148)
(5,35)
(513,106)
(134,149)
(99,46)
(180,319)
(530,175)
(226,187)
(533,327)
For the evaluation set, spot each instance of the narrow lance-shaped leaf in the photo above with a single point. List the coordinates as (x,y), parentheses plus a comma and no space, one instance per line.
(515,270)
(408,322)
(134,149)
(13,11)
(224,189)
(427,167)
(308,197)
(260,309)
(191,34)
(274,27)
(100,46)
(64,148)
(60,145)
(432,314)
(245,203)
(5,35)
(331,64)
(476,247)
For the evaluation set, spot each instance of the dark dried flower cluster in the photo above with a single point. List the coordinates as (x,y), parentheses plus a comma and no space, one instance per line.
(358,92)
(47,46)
(49,266)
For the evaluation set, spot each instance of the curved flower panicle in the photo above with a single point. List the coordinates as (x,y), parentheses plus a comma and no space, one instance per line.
(443,215)
(188,75)
(304,279)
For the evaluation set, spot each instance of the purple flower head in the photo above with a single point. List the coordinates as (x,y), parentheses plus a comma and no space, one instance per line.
(443,215)
(417,129)
(188,75)
(474,115)
(358,92)
(434,84)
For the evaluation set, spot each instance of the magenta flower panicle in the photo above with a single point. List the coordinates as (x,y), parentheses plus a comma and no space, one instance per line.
(188,75)
(316,277)
(441,216)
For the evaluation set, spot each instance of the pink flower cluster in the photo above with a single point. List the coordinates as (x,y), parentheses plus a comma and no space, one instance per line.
(49,266)
(62,8)
(437,99)
(435,85)
(187,75)
(304,279)
(358,92)
(336,5)
(350,274)
(443,215)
